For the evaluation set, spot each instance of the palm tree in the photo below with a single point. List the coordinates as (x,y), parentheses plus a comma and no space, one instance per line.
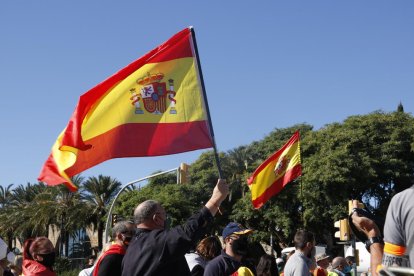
(63,208)
(238,162)
(34,207)
(99,192)
(18,215)
(5,197)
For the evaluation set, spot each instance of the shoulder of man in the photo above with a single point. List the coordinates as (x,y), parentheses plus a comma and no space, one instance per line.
(215,265)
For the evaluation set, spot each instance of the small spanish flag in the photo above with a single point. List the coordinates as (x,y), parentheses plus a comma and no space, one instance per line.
(154,106)
(276,172)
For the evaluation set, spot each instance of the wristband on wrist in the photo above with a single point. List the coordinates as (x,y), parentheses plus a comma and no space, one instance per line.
(373,240)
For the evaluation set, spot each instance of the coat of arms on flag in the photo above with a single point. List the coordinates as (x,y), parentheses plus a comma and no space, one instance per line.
(154,95)
(276,172)
(167,113)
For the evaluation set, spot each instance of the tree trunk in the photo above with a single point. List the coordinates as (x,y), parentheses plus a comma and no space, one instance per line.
(10,239)
(100,234)
(66,244)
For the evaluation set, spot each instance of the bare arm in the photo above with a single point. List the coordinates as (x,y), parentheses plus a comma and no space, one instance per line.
(220,193)
(371,230)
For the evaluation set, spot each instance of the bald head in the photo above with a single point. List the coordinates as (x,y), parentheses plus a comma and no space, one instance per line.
(339,263)
(145,211)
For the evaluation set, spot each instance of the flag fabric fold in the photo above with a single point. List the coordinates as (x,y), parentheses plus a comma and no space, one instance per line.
(276,172)
(152,107)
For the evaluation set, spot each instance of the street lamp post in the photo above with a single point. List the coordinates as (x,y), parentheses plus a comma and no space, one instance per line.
(108,220)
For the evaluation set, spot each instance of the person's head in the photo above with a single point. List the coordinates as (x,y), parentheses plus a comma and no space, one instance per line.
(305,242)
(41,250)
(235,238)
(150,214)
(322,260)
(91,260)
(267,266)
(339,263)
(209,247)
(122,232)
(350,260)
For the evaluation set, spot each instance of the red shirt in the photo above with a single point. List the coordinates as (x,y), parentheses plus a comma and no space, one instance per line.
(33,268)
(113,249)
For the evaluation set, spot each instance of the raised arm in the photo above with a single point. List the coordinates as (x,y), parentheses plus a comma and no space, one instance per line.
(372,231)
(220,193)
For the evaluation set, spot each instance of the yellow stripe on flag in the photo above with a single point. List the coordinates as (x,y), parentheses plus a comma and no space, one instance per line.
(278,170)
(64,157)
(287,160)
(116,107)
(153,106)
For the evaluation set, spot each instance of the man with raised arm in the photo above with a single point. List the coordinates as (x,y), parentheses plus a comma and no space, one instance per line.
(156,250)
(396,248)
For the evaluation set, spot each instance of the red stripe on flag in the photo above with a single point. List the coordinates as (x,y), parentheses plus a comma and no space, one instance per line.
(276,155)
(50,175)
(143,139)
(177,46)
(277,186)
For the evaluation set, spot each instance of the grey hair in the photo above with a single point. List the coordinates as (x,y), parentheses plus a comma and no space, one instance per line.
(121,227)
(145,210)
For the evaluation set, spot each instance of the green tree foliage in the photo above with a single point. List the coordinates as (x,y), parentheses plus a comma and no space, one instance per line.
(5,198)
(28,210)
(366,157)
(179,201)
(99,192)
(281,214)
(168,178)
(204,169)
(18,216)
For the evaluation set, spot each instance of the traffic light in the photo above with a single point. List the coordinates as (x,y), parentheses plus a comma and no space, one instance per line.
(114,219)
(343,234)
(351,206)
(184,173)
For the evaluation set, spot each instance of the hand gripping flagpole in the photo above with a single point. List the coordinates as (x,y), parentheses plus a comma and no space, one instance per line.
(203,89)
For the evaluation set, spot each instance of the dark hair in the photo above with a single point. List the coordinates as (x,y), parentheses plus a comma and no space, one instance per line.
(350,258)
(302,237)
(267,266)
(209,247)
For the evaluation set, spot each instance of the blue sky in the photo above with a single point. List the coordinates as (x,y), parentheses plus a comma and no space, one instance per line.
(266,65)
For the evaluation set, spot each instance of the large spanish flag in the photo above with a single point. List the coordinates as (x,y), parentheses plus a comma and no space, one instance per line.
(154,106)
(276,172)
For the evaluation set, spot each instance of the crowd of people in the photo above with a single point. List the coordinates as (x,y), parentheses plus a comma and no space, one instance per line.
(148,246)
